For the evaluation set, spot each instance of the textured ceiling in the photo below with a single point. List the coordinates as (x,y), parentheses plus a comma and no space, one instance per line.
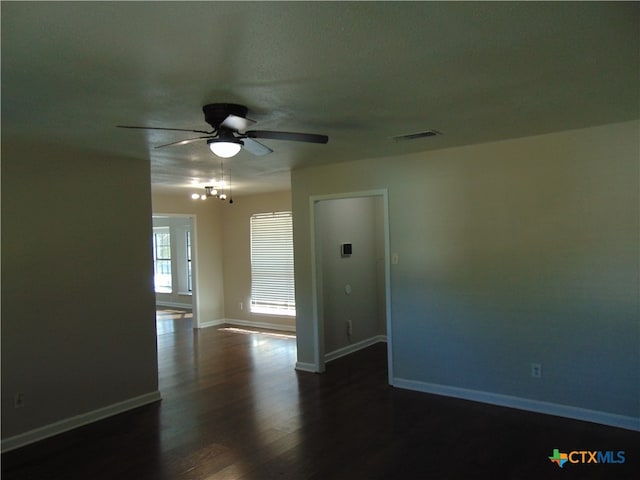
(359,72)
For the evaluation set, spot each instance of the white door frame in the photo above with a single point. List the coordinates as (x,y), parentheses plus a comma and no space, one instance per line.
(194,263)
(316,275)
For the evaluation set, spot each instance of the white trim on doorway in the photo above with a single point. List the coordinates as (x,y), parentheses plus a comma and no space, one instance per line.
(320,356)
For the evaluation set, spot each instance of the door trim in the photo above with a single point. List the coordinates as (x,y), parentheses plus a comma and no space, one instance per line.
(316,276)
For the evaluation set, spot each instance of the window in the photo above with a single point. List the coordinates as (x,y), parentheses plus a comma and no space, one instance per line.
(162,259)
(173,258)
(272,278)
(189,271)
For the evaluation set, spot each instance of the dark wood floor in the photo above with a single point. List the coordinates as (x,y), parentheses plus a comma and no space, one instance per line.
(234,408)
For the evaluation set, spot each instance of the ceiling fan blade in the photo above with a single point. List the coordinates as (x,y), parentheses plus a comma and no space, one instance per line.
(182,142)
(255,147)
(162,128)
(236,123)
(296,137)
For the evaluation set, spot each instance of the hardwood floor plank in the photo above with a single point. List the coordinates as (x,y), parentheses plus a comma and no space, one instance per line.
(234,408)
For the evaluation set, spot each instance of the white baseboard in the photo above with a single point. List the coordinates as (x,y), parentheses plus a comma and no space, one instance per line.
(354,347)
(576,413)
(268,326)
(306,367)
(211,323)
(71,423)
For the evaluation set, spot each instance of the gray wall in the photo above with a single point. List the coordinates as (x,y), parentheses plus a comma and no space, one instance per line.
(510,253)
(78,319)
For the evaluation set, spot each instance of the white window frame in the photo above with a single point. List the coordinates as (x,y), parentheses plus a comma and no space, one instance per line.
(189,260)
(158,259)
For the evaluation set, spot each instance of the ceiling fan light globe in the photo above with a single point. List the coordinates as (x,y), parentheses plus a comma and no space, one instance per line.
(225,148)
(195,196)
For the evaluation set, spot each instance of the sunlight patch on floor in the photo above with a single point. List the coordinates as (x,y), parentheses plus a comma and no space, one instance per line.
(245,331)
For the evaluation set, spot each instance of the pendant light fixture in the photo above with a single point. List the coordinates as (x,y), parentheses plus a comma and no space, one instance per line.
(211,191)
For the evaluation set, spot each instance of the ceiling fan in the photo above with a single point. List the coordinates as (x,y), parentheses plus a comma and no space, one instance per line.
(230,123)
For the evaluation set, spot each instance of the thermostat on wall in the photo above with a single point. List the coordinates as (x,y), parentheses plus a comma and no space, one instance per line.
(346,249)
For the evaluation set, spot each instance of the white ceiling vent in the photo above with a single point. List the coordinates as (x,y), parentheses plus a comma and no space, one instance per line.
(415,136)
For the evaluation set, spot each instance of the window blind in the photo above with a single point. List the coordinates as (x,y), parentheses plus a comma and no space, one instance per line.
(272,272)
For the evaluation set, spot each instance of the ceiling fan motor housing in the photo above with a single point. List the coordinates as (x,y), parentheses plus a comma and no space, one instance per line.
(216,113)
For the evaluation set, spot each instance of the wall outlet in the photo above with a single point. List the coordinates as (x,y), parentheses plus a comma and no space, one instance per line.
(536,370)
(349,328)
(18,400)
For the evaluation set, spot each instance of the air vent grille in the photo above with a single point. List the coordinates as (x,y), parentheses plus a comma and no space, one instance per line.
(415,136)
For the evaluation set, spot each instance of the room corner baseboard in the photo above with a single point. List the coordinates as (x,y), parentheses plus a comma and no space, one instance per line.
(211,323)
(354,347)
(35,435)
(266,325)
(306,367)
(248,323)
(537,406)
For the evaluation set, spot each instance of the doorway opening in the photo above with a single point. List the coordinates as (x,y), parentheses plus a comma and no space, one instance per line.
(350,271)
(175,268)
